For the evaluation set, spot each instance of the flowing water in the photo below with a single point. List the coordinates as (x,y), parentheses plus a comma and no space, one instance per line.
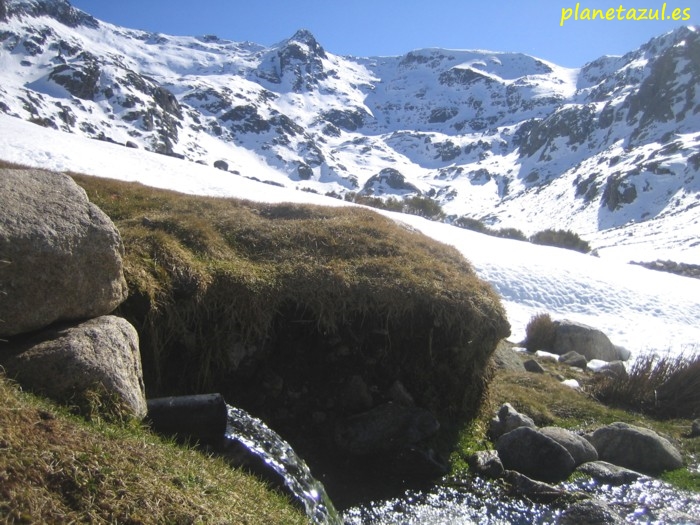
(470,500)
(478,501)
(279,455)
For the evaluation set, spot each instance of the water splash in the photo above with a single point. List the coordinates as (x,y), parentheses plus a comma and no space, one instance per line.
(476,500)
(279,455)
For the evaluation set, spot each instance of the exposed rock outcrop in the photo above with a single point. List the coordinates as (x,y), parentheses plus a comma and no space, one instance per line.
(61,255)
(388,180)
(60,10)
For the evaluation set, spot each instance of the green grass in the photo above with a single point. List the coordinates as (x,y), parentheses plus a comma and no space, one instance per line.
(57,468)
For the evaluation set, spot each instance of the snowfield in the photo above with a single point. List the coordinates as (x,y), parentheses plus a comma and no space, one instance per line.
(640,309)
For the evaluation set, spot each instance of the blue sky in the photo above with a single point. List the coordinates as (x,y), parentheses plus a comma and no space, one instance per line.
(394,27)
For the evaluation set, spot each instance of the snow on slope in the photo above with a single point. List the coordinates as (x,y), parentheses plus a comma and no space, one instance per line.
(640,309)
(610,150)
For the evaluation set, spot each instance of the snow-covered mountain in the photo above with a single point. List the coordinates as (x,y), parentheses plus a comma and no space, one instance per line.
(610,150)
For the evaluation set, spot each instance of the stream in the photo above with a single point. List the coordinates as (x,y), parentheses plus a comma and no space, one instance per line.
(265,443)
(479,501)
(456,501)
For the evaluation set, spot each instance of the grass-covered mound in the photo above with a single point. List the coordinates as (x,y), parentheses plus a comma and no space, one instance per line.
(55,468)
(279,306)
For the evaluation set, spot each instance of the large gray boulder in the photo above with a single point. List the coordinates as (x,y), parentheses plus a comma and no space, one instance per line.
(98,356)
(60,255)
(580,449)
(585,340)
(534,454)
(636,448)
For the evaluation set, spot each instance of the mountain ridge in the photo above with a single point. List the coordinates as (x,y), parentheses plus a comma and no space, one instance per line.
(610,150)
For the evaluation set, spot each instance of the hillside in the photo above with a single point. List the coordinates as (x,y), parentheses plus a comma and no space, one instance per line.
(609,150)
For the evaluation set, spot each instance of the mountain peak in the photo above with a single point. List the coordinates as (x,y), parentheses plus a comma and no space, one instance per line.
(305,36)
(60,10)
(306,39)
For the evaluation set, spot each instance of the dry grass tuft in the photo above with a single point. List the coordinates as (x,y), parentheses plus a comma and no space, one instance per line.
(55,468)
(539,333)
(664,387)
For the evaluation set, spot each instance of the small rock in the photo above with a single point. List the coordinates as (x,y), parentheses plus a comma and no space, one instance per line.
(505,358)
(614,369)
(695,429)
(622,353)
(608,473)
(508,419)
(533,366)
(521,485)
(589,512)
(574,359)
(399,394)
(486,463)
(221,165)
